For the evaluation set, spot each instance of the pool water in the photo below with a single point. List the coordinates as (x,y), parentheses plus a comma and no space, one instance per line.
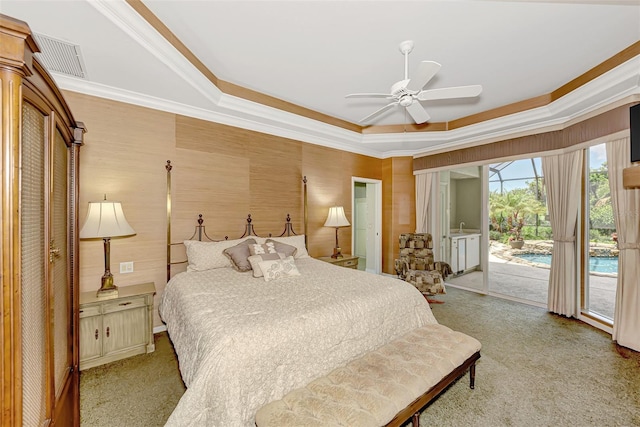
(596,264)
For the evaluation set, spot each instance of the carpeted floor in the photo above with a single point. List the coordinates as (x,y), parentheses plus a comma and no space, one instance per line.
(537,369)
(140,391)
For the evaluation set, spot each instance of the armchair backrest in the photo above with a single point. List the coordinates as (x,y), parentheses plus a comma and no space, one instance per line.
(416,250)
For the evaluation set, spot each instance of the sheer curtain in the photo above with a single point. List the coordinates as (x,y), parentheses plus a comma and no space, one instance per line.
(562,174)
(626,210)
(423,192)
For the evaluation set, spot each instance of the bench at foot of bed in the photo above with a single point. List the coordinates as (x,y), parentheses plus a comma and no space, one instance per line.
(385,387)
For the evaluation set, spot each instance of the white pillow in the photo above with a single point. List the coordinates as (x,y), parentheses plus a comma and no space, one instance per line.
(276,269)
(255,260)
(208,255)
(297,241)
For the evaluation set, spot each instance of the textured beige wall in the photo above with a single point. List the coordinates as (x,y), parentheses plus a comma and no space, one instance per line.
(219,171)
(398,206)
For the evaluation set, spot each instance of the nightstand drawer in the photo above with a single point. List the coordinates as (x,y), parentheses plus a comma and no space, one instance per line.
(124,304)
(346,261)
(349,263)
(90,311)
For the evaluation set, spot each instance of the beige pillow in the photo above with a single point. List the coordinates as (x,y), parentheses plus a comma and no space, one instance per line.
(208,255)
(297,242)
(286,249)
(277,269)
(255,260)
(238,255)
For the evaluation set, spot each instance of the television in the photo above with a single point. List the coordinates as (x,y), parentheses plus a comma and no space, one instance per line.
(634,129)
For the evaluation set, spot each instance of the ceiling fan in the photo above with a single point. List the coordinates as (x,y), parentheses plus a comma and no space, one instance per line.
(408,92)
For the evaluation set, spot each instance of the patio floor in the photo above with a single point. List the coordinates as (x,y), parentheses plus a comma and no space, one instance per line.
(522,281)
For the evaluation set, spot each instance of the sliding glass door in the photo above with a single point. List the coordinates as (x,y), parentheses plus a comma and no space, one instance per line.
(601,254)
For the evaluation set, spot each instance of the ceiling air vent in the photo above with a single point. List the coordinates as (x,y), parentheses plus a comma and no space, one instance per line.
(60,57)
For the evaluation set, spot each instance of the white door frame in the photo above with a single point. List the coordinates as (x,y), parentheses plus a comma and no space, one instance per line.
(376,232)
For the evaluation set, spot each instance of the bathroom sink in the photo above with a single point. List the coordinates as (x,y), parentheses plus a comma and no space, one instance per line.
(457,234)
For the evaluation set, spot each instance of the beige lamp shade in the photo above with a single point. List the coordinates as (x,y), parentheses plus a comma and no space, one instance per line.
(336,217)
(105,219)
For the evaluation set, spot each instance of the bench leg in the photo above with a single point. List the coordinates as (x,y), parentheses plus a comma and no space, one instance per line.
(472,376)
(415,420)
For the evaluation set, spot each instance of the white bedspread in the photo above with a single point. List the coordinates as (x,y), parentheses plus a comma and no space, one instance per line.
(243,342)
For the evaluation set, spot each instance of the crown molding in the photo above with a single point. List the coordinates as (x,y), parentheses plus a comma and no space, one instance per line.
(600,94)
(136,27)
(608,89)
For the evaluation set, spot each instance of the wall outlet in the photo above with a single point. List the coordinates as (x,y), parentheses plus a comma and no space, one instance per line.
(126,267)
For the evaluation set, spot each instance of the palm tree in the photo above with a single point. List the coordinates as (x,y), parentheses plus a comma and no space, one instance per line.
(508,211)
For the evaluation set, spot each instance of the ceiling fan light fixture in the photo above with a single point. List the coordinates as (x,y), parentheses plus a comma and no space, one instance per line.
(406,100)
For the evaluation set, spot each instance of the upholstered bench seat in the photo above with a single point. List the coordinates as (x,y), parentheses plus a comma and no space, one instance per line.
(384,387)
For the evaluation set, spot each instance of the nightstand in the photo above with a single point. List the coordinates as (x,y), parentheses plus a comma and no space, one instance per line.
(116,328)
(347,261)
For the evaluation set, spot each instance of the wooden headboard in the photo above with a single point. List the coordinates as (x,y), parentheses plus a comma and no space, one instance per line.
(200,230)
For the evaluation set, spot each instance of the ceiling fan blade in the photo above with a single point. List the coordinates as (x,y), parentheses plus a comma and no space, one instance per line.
(369,95)
(417,111)
(450,92)
(399,87)
(377,112)
(426,71)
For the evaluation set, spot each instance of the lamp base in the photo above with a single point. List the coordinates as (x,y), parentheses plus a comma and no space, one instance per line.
(107,293)
(336,253)
(108,289)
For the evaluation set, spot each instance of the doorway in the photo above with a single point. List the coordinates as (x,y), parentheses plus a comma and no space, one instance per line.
(367,223)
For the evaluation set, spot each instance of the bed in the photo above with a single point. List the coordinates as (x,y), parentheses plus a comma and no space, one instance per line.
(243,341)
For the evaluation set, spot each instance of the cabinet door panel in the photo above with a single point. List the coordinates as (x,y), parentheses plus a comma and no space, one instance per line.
(34,319)
(124,329)
(473,251)
(90,337)
(59,264)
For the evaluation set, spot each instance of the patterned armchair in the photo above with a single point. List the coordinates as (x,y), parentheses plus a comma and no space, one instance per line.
(416,264)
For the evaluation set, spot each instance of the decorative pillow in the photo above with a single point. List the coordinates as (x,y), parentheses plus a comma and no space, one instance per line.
(208,255)
(287,250)
(297,242)
(277,269)
(265,248)
(255,260)
(238,255)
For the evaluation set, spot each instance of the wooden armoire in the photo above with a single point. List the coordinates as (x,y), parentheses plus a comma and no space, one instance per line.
(39,238)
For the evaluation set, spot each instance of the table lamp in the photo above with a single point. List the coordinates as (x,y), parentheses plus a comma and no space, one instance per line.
(336,219)
(105,219)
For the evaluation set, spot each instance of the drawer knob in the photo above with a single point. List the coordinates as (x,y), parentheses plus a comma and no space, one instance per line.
(107,332)
(96,335)
(125,303)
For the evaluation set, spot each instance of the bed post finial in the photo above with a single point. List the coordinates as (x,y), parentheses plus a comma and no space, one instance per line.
(200,220)
(168,166)
(249,231)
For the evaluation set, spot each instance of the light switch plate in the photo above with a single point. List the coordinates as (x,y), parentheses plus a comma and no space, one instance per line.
(126,267)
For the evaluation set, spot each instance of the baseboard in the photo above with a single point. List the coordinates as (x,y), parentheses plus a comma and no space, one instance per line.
(158,329)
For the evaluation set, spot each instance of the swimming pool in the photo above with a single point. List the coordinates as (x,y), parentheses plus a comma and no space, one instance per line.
(605,264)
